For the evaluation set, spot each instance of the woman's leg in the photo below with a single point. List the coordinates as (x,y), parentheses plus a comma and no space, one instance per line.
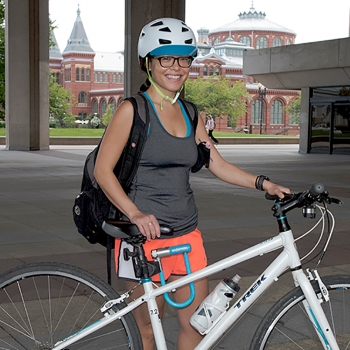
(188,337)
(142,317)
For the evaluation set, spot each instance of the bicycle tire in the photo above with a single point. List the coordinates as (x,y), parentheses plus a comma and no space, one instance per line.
(286,325)
(42,303)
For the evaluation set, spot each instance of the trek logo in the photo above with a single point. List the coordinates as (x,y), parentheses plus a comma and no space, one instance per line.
(251,291)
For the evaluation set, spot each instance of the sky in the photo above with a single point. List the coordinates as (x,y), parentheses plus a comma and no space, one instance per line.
(312,20)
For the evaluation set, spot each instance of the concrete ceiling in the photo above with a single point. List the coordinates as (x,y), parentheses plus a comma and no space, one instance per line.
(323,63)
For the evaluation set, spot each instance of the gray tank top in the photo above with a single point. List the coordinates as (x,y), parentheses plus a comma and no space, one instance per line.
(161,185)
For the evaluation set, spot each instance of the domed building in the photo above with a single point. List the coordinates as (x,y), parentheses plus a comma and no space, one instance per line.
(255,30)
(221,53)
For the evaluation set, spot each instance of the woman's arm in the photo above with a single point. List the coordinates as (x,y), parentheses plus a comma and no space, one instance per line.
(111,148)
(231,173)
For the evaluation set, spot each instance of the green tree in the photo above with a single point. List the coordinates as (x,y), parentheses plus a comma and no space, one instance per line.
(218,96)
(2,59)
(294,109)
(60,101)
(52,26)
(107,117)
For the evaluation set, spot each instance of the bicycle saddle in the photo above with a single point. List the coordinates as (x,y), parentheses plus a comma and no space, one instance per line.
(125,229)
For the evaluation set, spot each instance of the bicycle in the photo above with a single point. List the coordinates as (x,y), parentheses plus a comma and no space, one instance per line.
(57,306)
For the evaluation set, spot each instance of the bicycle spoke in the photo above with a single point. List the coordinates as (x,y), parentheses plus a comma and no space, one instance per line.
(42,304)
(287,326)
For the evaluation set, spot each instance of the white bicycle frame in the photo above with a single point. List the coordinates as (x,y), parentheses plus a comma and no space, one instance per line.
(288,258)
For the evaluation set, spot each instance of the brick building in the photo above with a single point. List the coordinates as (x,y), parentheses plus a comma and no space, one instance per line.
(96,79)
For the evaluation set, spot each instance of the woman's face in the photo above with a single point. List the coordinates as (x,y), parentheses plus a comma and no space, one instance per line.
(168,79)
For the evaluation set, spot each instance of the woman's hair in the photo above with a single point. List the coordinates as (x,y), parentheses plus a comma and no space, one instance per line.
(145,86)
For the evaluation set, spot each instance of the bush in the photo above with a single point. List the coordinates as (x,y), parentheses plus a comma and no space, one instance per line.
(69,121)
(2,124)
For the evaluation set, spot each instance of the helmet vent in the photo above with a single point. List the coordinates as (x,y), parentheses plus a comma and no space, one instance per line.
(165,29)
(184,29)
(189,41)
(159,23)
(164,42)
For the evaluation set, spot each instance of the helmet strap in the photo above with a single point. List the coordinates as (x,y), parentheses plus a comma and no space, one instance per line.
(162,95)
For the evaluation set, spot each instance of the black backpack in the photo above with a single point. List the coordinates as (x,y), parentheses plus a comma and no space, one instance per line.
(91,206)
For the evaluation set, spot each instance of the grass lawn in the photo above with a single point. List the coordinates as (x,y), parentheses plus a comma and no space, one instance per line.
(82,132)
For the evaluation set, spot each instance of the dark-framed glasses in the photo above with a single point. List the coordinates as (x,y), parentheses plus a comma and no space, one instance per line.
(168,61)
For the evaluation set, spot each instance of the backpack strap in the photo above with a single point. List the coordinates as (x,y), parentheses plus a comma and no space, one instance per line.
(192,112)
(127,165)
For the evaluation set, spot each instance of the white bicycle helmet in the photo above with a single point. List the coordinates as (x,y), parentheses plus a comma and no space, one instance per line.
(167,36)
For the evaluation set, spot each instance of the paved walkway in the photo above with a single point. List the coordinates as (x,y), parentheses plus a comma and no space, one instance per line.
(37,191)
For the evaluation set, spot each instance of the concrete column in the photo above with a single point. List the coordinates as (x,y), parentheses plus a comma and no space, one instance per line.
(304,121)
(137,14)
(27,74)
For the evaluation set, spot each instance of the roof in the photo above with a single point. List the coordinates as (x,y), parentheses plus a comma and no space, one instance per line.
(55,52)
(252,20)
(78,40)
(109,61)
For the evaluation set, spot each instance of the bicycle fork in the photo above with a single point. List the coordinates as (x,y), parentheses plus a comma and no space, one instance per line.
(312,305)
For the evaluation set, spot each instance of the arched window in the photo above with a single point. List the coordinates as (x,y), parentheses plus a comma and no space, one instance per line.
(245,40)
(106,77)
(101,77)
(103,107)
(277,42)
(96,77)
(276,112)
(288,42)
(114,78)
(82,97)
(94,106)
(77,74)
(211,71)
(58,76)
(113,105)
(256,112)
(261,43)
(119,78)
(217,71)
(82,74)
(216,41)
(88,72)
(205,71)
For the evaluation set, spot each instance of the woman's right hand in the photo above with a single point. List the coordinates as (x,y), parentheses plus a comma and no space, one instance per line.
(147,224)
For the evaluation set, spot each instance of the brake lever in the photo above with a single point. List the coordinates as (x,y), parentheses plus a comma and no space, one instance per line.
(324,197)
(336,201)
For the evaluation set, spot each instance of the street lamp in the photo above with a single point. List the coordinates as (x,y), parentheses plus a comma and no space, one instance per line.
(262,94)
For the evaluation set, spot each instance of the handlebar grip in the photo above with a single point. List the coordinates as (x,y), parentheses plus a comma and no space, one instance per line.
(316,189)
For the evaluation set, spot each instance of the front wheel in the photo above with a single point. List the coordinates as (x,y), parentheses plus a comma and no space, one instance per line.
(286,326)
(43,303)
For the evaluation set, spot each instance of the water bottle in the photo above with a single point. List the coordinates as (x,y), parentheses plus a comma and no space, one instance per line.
(215,305)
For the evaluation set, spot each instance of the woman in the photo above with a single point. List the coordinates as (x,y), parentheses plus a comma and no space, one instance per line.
(210,126)
(160,192)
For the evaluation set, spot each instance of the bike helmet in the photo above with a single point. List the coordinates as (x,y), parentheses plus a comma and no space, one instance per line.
(167,36)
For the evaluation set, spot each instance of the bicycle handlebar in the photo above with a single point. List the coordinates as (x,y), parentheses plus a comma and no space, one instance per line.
(316,193)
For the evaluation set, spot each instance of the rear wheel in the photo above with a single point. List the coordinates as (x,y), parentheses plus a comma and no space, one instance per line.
(286,326)
(43,303)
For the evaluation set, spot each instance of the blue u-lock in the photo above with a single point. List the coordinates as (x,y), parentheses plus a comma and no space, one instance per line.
(178,249)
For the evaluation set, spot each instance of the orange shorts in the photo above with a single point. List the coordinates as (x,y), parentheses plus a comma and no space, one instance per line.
(171,265)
